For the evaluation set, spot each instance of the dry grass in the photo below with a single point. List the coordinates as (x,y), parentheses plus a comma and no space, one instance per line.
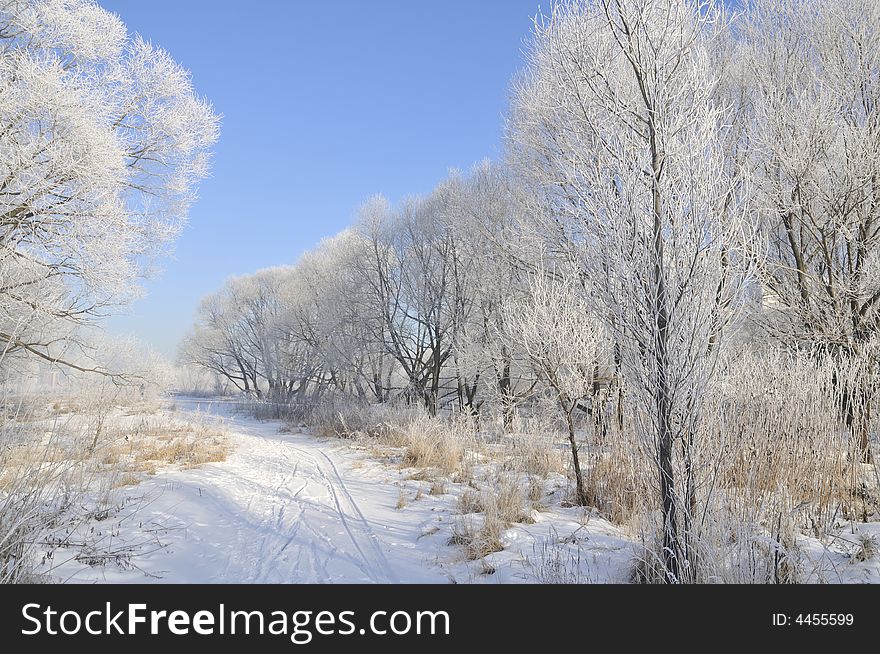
(120,446)
(470,501)
(536,454)
(478,541)
(401,500)
(188,450)
(866,549)
(616,482)
(339,417)
(427,474)
(340,420)
(126,479)
(485,516)
(506,501)
(535,493)
(430,444)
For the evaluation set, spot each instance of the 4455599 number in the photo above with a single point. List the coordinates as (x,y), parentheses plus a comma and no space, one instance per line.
(814,620)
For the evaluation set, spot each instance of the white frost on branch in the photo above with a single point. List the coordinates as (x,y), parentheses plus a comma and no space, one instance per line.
(102,144)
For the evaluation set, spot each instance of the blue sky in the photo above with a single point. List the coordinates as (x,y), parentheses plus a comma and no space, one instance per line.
(323,104)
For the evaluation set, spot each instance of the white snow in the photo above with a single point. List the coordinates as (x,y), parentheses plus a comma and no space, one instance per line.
(294,508)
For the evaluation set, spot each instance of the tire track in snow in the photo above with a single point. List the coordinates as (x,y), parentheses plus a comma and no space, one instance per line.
(289,530)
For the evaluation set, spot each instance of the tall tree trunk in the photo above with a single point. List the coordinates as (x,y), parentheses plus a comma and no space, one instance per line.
(378,390)
(671,538)
(580,491)
(597,407)
(617,385)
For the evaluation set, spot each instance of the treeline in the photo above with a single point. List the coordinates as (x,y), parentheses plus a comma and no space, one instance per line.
(410,304)
(688,192)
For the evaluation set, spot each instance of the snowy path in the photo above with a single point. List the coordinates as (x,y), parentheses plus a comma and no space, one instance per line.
(284,508)
(296,508)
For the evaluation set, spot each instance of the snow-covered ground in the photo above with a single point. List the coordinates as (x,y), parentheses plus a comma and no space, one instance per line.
(294,508)
(848,556)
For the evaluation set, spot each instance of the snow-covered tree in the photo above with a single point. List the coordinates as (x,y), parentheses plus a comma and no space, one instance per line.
(616,122)
(417,286)
(563,341)
(102,143)
(811,85)
(239,335)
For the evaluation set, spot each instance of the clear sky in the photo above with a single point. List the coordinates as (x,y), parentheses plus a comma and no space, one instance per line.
(323,105)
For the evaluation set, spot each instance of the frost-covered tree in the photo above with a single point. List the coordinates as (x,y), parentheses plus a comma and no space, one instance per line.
(417,287)
(811,85)
(616,122)
(239,334)
(500,258)
(355,359)
(215,344)
(562,339)
(102,143)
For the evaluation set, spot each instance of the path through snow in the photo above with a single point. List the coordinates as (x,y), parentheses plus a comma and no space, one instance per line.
(279,510)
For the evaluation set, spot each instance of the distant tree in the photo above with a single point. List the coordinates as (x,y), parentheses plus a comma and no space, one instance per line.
(500,258)
(415,277)
(353,357)
(238,334)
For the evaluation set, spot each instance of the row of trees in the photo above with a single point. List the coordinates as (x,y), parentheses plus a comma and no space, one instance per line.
(382,310)
(674,170)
